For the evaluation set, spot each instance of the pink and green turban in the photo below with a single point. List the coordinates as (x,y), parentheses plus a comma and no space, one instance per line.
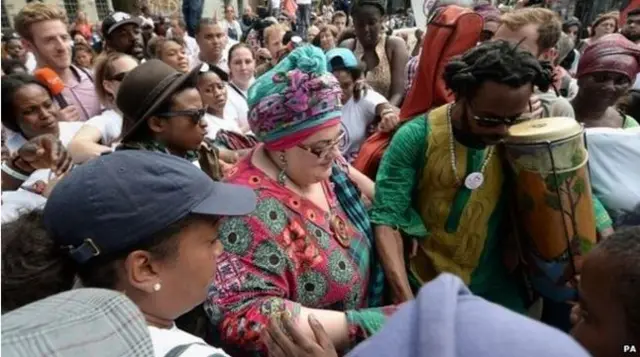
(294,100)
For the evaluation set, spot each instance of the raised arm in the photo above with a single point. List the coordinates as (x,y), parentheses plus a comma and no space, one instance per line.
(393,211)
(85,144)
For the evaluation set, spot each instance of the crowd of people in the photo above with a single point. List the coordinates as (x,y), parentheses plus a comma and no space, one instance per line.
(300,181)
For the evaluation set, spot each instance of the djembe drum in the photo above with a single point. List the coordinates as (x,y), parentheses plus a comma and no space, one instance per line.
(556,219)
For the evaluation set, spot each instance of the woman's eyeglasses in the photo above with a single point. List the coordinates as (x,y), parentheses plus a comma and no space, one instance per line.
(195,114)
(323,152)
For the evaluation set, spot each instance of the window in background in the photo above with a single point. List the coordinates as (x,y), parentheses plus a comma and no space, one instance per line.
(102,6)
(71,7)
(6,25)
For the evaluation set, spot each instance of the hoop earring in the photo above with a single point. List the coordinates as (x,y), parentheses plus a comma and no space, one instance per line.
(282,175)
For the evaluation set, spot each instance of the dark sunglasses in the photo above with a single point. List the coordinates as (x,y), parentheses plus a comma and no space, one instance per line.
(195,115)
(323,152)
(490,122)
(119,76)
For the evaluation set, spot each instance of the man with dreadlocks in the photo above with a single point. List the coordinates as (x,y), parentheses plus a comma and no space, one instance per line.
(423,188)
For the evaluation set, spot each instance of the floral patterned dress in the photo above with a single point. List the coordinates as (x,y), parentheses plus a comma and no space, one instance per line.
(281,257)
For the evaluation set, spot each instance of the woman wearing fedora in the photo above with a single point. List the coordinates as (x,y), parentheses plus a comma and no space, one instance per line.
(163,111)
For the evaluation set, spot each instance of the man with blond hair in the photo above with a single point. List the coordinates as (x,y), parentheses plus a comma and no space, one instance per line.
(538,31)
(43,29)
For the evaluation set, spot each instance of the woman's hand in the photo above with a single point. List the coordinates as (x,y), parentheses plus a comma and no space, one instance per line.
(45,152)
(360,88)
(229,156)
(534,110)
(389,120)
(263,55)
(51,184)
(292,343)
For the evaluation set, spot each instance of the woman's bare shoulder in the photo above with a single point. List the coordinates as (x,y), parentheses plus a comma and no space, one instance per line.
(348,43)
(396,42)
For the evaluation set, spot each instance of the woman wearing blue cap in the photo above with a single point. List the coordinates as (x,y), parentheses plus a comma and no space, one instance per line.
(134,221)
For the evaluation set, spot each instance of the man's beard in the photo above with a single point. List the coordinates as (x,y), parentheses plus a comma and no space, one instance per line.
(632,36)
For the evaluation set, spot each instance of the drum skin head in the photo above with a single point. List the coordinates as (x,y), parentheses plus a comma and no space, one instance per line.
(544,130)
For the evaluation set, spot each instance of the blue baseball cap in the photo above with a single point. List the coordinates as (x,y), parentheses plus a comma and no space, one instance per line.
(341,58)
(119,200)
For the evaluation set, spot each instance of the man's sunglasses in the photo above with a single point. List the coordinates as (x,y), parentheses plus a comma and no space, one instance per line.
(195,115)
(490,122)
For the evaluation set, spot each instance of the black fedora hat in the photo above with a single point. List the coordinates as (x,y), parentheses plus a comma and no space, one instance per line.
(146,88)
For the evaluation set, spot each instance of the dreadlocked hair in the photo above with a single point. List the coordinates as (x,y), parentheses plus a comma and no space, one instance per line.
(496,61)
(623,249)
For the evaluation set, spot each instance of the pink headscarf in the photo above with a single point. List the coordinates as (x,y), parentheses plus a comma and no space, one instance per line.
(611,53)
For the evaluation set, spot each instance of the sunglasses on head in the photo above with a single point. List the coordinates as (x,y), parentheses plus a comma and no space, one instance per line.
(195,115)
(322,153)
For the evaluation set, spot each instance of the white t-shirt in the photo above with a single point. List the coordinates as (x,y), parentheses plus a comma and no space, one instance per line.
(235,25)
(109,124)
(31,63)
(15,203)
(356,118)
(239,102)
(164,340)
(215,124)
(613,164)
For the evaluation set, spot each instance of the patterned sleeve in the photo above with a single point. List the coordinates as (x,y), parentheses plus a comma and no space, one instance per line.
(397,178)
(252,282)
(603,221)
(410,73)
(366,322)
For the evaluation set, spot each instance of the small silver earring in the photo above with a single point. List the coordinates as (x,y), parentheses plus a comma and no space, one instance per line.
(157,287)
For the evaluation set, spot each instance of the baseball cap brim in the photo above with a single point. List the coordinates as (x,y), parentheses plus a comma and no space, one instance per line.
(133,20)
(227,200)
(341,58)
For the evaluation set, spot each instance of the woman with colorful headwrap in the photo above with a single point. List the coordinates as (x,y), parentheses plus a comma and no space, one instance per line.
(606,72)
(308,248)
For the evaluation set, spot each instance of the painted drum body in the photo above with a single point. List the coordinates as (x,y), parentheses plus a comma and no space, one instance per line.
(557,224)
